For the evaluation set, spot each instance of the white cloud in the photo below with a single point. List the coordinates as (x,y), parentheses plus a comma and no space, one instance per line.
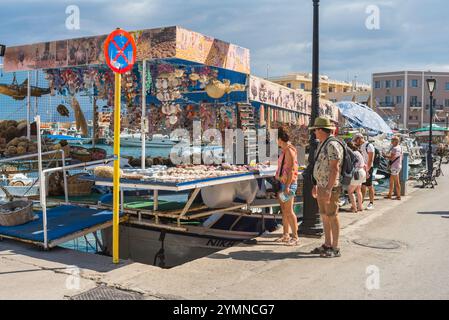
(278,32)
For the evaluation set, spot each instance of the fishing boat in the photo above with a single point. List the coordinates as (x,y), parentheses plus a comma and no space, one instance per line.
(157,141)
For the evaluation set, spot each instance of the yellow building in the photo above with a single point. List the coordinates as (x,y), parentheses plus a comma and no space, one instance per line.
(333,90)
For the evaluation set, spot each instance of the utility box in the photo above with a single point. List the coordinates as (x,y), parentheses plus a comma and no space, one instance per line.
(404,173)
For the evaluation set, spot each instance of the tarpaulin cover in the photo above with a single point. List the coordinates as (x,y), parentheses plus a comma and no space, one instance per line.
(61,222)
(361,116)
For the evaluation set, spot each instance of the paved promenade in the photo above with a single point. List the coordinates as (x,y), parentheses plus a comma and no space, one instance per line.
(416,267)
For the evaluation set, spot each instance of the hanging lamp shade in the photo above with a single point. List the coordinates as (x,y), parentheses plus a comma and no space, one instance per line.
(216,89)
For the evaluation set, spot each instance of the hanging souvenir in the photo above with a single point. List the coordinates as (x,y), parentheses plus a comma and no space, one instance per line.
(173,119)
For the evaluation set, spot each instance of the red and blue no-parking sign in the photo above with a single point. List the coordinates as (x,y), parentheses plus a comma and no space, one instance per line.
(120,51)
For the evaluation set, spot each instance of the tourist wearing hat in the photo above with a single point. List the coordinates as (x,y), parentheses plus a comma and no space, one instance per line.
(327,189)
(395,167)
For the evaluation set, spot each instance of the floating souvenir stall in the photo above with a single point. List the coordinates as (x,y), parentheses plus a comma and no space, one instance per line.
(180,77)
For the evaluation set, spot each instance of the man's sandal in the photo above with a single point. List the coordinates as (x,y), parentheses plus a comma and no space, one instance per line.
(320,250)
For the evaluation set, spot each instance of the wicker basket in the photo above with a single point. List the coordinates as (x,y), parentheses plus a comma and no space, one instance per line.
(10,218)
(77,187)
(80,154)
(97,154)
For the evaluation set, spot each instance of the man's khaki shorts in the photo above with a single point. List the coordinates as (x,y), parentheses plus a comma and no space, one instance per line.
(329,209)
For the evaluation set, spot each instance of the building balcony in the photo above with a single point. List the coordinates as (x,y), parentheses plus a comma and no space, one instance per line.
(436,107)
(387,105)
(415,105)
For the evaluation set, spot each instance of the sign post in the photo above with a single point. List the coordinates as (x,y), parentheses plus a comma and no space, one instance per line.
(120,53)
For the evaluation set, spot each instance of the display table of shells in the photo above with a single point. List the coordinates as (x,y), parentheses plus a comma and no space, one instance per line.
(179,174)
(200,172)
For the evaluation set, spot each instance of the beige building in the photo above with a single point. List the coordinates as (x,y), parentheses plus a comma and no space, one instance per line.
(332,90)
(403,97)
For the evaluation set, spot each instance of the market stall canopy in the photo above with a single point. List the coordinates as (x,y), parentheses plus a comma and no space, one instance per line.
(162,43)
(267,93)
(436,130)
(361,116)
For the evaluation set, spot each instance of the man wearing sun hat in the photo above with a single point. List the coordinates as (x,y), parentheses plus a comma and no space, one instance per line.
(327,189)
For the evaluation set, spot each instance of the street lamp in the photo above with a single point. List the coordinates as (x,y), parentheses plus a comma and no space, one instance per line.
(311,224)
(431,84)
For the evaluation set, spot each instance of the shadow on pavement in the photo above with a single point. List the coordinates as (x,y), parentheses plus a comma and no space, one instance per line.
(93,262)
(264,255)
(441,213)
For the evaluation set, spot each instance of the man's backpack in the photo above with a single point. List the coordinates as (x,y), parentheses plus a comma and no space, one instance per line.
(348,166)
(377,156)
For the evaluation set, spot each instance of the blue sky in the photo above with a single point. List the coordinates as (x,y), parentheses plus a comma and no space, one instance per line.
(413,34)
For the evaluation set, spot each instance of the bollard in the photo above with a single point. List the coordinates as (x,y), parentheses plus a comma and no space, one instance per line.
(404,173)
(301,155)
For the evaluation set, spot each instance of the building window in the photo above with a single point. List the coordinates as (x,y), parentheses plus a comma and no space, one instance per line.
(447,86)
(377,84)
(446,103)
(398,99)
(414,101)
(303,86)
(388,101)
(399,83)
(388,84)
(414,83)
(289,85)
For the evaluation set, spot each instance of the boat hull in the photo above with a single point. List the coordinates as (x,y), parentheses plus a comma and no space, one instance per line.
(168,248)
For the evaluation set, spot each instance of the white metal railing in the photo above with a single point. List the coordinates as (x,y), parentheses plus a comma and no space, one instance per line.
(34,155)
(43,173)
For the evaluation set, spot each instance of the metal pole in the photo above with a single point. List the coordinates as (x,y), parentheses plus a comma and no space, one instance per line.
(28,105)
(142,121)
(35,99)
(116,188)
(312,225)
(64,175)
(42,188)
(95,123)
(429,152)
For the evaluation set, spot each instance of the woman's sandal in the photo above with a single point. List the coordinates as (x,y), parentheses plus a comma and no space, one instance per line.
(293,242)
(282,239)
(388,197)
(354,210)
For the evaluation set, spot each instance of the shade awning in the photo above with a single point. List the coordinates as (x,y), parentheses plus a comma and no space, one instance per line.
(435,128)
(361,116)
